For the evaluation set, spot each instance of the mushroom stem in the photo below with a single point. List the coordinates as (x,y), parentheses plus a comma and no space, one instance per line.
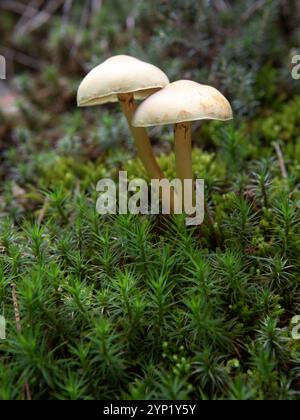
(142,143)
(183,153)
(141,138)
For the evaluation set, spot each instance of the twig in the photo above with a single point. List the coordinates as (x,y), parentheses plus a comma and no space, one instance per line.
(281,161)
(43,212)
(16,307)
(96,6)
(253,9)
(130,21)
(31,10)
(19,328)
(21,58)
(66,15)
(221,5)
(16,7)
(40,18)
(82,25)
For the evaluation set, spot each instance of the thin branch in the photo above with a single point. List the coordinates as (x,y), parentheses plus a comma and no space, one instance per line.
(21,58)
(130,21)
(16,7)
(19,328)
(40,18)
(43,212)
(253,9)
(221,5)
(31,10)
(281,161)
(96,6)
(16,307)
(66,15)
(82,25)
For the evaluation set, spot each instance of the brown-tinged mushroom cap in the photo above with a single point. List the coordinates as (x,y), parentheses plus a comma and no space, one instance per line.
(183,101)
(118,75)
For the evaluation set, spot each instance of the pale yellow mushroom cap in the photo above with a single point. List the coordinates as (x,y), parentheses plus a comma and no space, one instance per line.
(120,74)
(182,101)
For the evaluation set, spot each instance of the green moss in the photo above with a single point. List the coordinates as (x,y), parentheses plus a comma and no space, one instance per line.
(283,125)
(204,165)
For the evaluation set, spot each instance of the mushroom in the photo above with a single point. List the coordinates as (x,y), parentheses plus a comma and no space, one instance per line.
(180,103)
(123,78)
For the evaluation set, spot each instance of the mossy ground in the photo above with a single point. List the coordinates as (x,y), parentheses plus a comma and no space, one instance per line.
(142,307)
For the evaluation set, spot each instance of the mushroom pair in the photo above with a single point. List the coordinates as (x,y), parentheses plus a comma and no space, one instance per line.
(124,79)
